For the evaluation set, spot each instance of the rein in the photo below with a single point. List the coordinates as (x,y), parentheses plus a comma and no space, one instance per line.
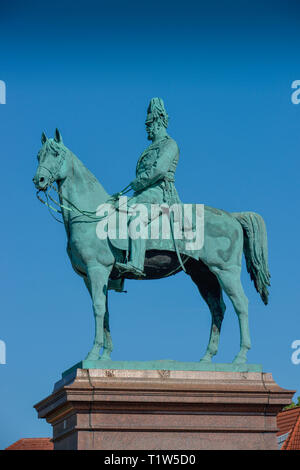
(90,214)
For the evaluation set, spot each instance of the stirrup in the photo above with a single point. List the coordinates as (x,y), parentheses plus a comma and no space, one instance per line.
(129,268)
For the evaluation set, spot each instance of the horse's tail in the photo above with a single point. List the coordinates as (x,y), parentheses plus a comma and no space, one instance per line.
(256,250)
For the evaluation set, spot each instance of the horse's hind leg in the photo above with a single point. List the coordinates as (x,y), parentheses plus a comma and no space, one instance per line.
(231,284)
(211,292)
(214,300)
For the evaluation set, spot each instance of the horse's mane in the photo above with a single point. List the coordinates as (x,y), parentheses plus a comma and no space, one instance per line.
(83,170)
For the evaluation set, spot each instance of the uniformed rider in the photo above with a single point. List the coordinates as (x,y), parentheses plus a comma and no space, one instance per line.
(154,182)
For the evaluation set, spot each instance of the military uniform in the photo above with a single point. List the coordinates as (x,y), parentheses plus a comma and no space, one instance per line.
(154,182)
(155,172)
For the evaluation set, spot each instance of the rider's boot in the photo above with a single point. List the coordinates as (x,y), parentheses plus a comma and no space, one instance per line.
(135,265)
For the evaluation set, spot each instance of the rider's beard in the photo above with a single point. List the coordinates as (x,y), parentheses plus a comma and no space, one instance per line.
(150,135)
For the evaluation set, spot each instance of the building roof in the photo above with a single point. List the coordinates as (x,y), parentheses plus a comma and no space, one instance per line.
(288,423)
(293,440)
(286,419)
(34,443)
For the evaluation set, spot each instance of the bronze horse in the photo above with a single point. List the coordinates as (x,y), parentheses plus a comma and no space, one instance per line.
(226,237)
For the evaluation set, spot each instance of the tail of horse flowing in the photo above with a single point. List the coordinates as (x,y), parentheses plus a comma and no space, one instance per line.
(256,250)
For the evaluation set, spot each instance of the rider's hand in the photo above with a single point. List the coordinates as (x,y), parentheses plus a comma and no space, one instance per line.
(116,196)
(134,184)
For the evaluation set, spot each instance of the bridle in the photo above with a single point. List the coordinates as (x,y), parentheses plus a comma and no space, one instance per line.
(54,175)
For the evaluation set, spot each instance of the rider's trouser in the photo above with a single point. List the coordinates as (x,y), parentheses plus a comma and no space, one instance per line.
(137,253)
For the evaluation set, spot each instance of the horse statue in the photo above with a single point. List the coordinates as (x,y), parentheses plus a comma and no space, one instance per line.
(216,269)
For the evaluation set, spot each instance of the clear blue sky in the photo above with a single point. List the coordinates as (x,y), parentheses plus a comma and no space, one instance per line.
(224,70)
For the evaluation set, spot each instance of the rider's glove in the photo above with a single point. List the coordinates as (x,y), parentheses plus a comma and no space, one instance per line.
(116,195)
(135,185)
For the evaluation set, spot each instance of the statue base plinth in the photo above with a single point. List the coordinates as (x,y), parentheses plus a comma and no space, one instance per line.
(126,409)
(164,364)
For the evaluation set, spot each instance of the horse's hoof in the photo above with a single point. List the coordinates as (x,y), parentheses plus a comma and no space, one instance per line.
(105,357)
(205,360)
(239,360)
(92,357)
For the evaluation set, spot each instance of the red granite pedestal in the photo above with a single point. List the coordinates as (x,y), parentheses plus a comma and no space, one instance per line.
(164,410)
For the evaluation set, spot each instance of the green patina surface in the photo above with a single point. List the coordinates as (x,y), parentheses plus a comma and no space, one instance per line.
(163,365)
(215,268)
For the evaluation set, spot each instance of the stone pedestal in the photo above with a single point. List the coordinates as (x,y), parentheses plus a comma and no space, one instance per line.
(164,410)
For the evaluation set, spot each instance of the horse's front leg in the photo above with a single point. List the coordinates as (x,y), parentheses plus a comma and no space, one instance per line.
(107,345)
(98,280)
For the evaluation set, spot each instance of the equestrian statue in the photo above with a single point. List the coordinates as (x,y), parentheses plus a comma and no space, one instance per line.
(104,262)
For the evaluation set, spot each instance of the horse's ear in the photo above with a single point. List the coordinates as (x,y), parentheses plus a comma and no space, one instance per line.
(43,138)
(57,136)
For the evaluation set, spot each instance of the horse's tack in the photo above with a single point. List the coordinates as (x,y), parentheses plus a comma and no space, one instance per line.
(97,218)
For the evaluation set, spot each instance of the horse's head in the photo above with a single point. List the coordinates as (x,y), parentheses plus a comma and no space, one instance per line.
(53,165)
